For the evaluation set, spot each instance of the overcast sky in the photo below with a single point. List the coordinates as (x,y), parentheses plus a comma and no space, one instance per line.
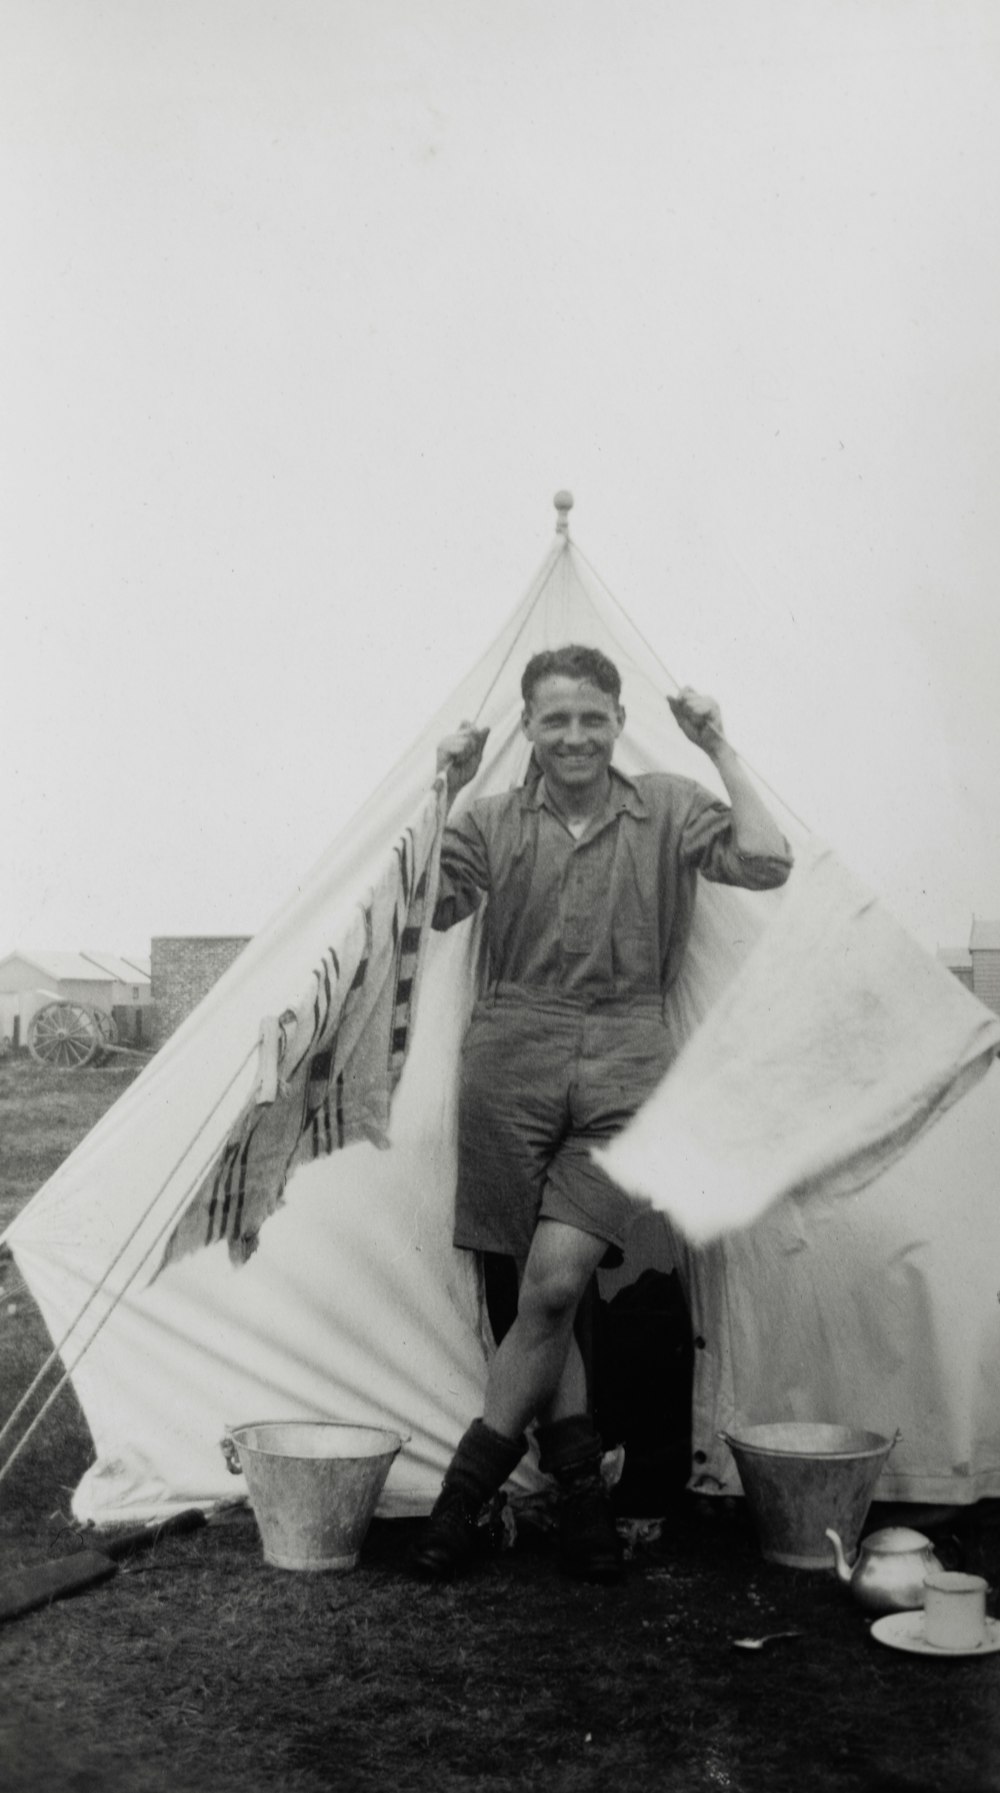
(308,308)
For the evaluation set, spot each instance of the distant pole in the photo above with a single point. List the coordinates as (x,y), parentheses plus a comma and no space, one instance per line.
(563,502)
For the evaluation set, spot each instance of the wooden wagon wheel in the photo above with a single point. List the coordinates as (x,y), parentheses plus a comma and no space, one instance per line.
(65,1035)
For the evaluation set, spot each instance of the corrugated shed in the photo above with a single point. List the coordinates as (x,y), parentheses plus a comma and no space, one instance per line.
(61,967)
(122,971)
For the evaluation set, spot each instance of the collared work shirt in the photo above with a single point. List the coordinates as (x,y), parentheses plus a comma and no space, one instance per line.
(607,915)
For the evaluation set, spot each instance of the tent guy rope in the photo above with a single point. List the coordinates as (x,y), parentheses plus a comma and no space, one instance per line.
(535,593)
(57,1350)
(564,502)
(650,649)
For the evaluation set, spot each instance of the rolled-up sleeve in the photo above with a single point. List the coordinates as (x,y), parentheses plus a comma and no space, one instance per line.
(464,872)
(707,843)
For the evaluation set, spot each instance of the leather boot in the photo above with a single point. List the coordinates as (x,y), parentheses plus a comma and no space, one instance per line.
(481,1464)
(589,1545)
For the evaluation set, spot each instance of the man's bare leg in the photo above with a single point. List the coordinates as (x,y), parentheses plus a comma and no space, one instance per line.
(573,1394)
(538,1371)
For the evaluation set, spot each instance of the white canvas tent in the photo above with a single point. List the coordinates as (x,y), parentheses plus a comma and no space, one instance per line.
(878,1310)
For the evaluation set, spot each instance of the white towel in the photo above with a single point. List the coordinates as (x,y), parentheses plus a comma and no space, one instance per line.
(836,1044)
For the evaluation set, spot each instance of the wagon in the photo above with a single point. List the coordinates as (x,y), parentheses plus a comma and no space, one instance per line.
(68,1035)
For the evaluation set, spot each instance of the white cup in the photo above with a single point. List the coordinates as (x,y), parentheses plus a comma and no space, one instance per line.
(954,1610)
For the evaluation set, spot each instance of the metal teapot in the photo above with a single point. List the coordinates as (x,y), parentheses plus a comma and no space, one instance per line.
(888,1572)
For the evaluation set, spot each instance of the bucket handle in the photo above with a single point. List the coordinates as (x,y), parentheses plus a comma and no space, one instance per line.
(227,1446)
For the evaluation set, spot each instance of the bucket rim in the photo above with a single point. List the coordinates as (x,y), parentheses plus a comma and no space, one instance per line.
(877,1444)
(391,1442)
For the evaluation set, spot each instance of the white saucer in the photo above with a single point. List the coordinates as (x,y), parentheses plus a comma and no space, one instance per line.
(905,1631)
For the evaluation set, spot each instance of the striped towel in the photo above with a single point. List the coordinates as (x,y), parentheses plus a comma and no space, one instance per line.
(342,1048)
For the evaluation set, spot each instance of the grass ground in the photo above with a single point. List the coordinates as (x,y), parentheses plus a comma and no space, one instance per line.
(197,1669)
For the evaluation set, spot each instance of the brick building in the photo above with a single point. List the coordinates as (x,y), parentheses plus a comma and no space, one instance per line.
(958,961)
(184,968)
(984,946)
(977,965)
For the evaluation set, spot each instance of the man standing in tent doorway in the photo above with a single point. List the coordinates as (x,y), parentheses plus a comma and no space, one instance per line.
(589,883)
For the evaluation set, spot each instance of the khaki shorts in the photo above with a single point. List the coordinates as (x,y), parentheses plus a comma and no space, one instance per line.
(544,1079)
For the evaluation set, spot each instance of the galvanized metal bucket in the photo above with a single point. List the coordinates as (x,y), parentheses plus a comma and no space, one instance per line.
(313,1486)
(801,1478)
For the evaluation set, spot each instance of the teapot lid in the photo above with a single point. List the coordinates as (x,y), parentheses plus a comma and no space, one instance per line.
(895,1537)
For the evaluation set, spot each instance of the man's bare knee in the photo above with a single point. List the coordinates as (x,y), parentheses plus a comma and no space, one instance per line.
(550,1294)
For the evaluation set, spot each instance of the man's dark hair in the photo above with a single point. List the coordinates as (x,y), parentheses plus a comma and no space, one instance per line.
(572,662)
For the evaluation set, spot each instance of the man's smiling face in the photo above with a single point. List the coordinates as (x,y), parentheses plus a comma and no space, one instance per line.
(573,726)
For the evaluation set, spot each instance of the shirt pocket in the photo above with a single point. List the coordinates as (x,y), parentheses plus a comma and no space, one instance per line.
(634,933)
(633,955)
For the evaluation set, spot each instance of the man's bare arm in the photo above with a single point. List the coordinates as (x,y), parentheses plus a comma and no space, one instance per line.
(459,756)
(755,832)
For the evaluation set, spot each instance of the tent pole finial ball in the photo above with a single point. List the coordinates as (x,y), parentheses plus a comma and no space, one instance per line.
(563,502)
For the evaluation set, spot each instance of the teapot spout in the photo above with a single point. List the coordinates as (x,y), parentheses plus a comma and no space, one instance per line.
(843,1566)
